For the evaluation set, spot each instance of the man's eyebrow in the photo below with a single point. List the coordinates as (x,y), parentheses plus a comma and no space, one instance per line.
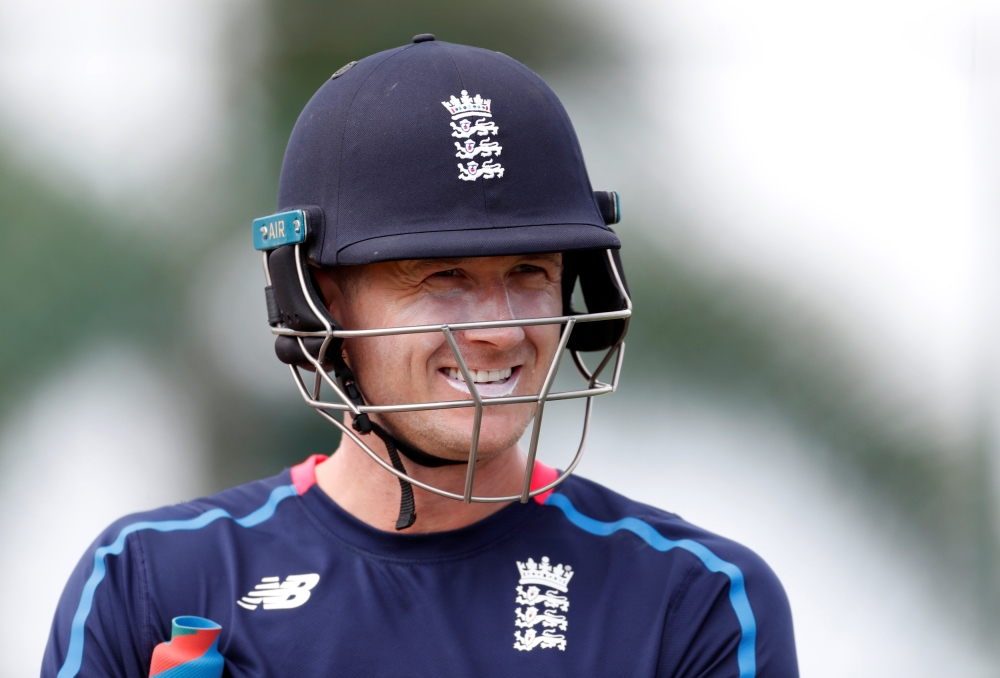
(458,261)
(429,263)
(551,256)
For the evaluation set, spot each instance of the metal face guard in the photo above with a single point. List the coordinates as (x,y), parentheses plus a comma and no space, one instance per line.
(595,387)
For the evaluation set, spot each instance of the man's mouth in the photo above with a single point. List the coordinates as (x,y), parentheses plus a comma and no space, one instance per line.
(489,383)
(482,376)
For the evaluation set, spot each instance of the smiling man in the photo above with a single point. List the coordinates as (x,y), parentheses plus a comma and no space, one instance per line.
(435,220)
(421,368)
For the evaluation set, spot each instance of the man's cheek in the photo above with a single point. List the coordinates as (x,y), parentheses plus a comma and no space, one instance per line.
(546,339)
(406,358)
(538,304)
(378,362)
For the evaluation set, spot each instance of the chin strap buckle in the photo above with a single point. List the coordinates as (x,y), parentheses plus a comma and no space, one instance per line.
(362,423)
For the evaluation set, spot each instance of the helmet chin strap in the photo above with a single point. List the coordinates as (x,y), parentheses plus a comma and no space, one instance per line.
(407,509)
(363,424)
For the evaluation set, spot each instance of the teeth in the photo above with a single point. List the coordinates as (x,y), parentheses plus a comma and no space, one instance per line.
(482,376)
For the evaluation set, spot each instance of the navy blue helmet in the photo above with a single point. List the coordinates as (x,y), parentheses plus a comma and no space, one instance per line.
(439,150)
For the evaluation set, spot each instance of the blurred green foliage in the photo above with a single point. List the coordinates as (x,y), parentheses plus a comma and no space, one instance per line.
(66,279)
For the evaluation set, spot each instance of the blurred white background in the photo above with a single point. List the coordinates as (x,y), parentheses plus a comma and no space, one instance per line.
(837,149)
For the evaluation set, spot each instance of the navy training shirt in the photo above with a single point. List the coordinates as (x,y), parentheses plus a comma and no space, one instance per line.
(583,582)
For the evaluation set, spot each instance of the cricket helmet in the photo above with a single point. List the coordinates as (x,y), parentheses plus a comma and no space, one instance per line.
(436,150)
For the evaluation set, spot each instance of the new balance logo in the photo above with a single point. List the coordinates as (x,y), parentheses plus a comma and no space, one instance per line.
(275,594)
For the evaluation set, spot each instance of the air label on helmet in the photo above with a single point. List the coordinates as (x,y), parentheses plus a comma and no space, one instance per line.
(284,228)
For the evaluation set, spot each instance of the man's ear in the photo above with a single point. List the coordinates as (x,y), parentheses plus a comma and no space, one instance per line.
(329,287)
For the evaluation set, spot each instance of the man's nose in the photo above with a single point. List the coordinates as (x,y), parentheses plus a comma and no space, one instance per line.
(498,338)
(493,304)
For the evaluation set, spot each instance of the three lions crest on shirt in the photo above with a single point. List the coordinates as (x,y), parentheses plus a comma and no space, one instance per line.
(540,591)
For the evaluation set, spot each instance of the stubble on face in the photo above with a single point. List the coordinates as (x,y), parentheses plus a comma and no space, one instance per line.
(409,368)
(447,433)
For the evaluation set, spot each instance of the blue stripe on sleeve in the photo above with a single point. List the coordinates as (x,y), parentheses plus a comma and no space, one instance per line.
(745,653)
(74,653)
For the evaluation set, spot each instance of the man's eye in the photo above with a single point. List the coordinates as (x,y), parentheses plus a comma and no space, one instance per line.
(528,268)
(450,273)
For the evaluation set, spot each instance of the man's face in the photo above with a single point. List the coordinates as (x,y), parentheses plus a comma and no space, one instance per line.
(419,368)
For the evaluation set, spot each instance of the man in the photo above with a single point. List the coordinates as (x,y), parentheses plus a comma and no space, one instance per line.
(435,218)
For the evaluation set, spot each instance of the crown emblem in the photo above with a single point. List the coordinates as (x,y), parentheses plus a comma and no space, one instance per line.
(543,574)
(466,106)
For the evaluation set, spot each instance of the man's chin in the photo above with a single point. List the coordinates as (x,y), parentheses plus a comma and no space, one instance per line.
(456,447)
(448,443)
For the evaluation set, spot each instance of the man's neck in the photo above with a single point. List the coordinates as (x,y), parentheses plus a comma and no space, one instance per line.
(371,494)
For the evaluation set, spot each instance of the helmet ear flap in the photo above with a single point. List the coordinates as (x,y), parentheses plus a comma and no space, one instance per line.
(600,293)
(296,313)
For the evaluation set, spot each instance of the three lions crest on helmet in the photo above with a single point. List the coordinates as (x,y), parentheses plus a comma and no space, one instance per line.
(462,109)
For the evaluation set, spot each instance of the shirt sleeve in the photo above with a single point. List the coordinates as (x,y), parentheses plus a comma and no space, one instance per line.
(101,628)
(703,632)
